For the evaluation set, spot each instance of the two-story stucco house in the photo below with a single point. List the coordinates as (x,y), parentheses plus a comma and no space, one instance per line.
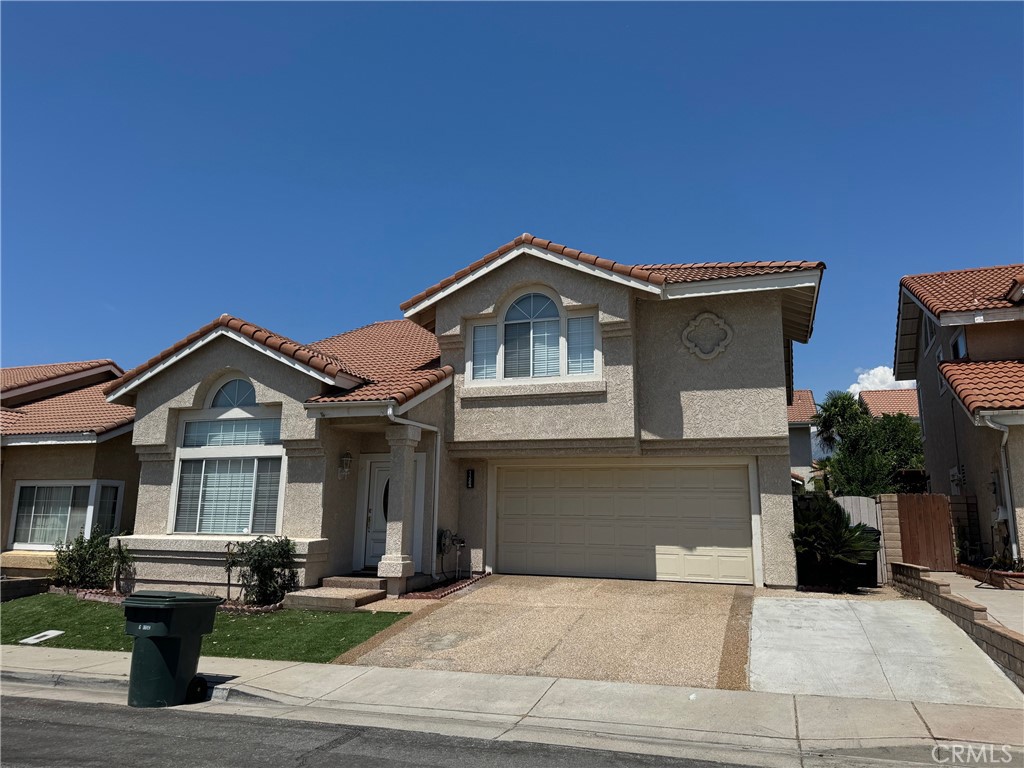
(563,413)
(961,335)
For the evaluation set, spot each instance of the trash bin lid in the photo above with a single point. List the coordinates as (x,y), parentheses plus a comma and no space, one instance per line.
(152,597)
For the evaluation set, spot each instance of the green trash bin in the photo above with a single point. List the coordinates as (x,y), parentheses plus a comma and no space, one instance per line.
(168,628)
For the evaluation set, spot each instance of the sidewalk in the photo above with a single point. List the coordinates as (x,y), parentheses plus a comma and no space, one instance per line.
(748,728)
(1004,605)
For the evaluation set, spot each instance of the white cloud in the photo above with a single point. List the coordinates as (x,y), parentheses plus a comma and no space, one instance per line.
(879,377)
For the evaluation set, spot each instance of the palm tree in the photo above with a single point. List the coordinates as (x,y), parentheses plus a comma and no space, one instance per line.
(840,411)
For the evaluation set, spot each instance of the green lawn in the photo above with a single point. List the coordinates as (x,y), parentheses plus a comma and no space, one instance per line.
(282,635)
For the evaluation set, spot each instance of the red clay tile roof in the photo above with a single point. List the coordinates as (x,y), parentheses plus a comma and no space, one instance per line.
(527,239)
(399,356)
(690,273)
(803,408)
(965,290)
(656,274)
(25,375)
(987,386)
(82,410)
(315,359)
(892,401)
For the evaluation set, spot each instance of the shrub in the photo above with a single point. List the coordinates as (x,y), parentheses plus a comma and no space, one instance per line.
(828,548)
(90,563)
(266,569)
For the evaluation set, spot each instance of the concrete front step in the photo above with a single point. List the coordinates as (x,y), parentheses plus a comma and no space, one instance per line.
(331,598)
(354,582)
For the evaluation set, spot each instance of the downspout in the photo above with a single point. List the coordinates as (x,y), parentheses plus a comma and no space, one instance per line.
(1011,510)
(437,478)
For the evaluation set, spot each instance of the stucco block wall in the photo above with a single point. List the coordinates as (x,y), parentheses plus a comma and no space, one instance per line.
(739,393)
(473,512)
(112,459)
(542,410)
(776,498)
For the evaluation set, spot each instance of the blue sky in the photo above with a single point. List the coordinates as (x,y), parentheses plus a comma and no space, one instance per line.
(308,167)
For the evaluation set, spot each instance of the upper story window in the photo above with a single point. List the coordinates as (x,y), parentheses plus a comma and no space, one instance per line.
(236,393)
(958,346)
(534,339)
(927,332)
(229,466)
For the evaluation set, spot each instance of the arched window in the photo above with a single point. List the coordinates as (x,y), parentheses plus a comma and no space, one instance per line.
(527,342)
(531,337)
(236,393)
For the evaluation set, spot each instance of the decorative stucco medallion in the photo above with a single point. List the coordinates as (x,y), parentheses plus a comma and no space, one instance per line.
(707,335)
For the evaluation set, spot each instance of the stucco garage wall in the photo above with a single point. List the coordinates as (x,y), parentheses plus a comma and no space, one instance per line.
(776,498)
(541,410)
(740,393)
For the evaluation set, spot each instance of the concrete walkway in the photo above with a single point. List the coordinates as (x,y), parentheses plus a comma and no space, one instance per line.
(725,726)
(1004,605)
(895,649)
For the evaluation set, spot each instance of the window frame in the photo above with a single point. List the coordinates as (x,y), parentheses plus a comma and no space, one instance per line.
(564,314)
(958,336)
(90,510)
(181,454)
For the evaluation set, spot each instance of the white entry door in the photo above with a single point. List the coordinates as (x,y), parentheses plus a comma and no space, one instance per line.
(377,512)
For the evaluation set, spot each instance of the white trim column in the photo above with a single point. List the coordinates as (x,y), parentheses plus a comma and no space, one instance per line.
(397,564)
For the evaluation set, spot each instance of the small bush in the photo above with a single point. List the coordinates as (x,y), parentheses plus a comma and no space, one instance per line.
(266,569)
(828,548)
(90,563)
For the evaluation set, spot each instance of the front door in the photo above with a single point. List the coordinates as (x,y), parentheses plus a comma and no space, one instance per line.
(377,512)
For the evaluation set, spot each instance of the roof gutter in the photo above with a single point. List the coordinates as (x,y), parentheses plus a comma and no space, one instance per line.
(1011,509)
(437,478)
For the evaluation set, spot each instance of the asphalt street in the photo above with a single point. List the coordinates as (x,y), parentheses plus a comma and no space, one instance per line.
(42,732)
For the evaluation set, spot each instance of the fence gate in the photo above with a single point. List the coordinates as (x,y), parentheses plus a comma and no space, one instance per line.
(863,509)
(926,530)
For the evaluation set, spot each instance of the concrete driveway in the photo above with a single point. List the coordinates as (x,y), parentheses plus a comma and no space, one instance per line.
(894,649)
(593,629)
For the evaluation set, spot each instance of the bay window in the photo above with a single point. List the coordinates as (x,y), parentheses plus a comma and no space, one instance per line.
(230,466)
(537,341)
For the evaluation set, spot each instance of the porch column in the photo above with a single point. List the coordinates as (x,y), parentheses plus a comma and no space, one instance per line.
(397,564)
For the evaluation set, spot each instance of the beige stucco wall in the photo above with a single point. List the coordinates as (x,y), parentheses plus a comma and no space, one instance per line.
(995,341)
(541,410)
(952,440)
(776,500)
(739,393)
(113,459)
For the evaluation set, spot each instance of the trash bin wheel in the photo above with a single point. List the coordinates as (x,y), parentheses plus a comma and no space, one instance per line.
(196,690)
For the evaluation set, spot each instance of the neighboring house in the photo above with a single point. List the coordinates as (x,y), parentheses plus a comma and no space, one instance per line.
(961,335)
(562,413)
(801,413)
(67,459)
(891,401)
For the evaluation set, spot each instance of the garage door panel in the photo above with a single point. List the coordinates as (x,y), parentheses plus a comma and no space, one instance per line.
(572,532)
(656,522)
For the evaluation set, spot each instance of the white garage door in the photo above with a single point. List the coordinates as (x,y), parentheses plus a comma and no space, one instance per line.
(653,522)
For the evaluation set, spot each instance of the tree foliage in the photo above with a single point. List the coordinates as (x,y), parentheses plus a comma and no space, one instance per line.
(869,455)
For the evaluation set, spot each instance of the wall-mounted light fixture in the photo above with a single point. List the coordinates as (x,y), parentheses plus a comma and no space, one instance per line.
(346,465)
(470,478)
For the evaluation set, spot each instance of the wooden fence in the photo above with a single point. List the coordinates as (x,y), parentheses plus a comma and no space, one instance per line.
(926,530)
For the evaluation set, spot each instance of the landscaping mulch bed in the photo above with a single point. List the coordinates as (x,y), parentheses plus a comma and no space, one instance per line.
(448,588)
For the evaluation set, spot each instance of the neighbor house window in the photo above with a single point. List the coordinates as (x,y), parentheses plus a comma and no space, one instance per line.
(48,513)
(534,340)
(230,466)
(958,346)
